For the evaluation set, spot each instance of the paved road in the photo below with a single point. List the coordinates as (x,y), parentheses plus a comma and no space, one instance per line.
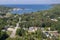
(14,31)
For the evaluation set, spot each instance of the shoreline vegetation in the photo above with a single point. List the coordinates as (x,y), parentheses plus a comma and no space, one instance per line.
(40,25)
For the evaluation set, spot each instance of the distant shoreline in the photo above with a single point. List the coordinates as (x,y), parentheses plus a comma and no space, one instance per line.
(28,8)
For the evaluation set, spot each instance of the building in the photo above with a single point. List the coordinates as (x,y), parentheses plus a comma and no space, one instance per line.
(32,29)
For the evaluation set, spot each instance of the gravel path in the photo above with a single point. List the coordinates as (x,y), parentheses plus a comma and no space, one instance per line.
(14,31)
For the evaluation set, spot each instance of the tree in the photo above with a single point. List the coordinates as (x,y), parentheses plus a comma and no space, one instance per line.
(20,32)
(3,35)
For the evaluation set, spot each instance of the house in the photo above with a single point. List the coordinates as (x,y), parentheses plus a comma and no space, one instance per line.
(51,33)
(32,29)
(55,33)
(54,20)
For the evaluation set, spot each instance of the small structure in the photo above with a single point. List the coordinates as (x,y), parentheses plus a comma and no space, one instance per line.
(51,33)
(58,17)
(42,29)
(55,33)
(54,20)
(10,29)
(49,28)
(32,29)
(25,28)
(17,9)
(8,15)
(1,16)
(3,30)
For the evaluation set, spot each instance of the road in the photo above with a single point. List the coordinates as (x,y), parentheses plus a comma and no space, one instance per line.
(13,34)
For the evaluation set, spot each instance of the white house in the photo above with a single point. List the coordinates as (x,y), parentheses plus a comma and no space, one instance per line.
(32,29)
(54,20)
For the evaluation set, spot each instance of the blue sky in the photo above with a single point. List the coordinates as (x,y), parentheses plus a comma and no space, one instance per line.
(29,1)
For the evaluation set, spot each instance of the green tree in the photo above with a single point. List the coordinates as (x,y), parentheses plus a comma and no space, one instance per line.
(3,35)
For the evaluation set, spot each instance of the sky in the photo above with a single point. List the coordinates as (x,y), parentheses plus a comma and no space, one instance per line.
(29,1)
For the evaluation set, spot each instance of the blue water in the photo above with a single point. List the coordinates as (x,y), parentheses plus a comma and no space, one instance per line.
(29,8)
